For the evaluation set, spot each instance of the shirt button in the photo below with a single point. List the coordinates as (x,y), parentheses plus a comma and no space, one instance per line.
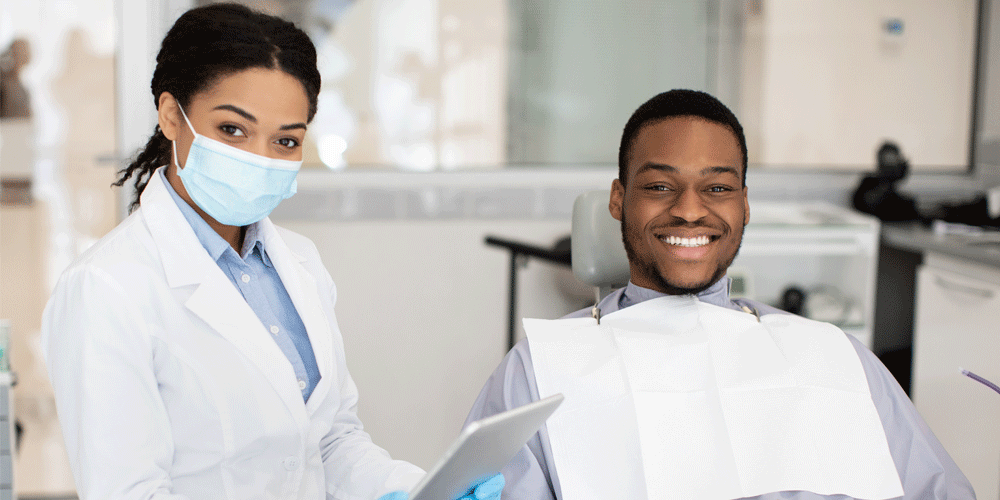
(275,329)
(245,278)
(302,385)
(291,463)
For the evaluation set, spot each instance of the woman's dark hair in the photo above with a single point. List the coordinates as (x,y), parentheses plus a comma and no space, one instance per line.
(678,102)
(208,43)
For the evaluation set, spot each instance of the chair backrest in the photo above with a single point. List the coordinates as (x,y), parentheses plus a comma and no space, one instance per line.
(599,257)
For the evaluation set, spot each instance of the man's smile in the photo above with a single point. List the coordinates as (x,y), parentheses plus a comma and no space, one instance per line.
(689,241)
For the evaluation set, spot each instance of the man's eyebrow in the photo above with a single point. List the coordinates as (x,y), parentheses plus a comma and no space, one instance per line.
(704,172)
(252,118)
(656,166)
(720,170)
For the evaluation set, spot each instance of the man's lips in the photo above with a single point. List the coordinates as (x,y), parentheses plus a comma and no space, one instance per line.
(696,241)
(689,240)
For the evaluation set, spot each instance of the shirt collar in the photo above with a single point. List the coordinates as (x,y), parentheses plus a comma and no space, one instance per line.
(255,239)
(717,294)
(214,244)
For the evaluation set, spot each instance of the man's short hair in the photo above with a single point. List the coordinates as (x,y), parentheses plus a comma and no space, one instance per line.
(678,102)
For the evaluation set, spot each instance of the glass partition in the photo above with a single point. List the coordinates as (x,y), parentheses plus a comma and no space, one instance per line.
(819,84)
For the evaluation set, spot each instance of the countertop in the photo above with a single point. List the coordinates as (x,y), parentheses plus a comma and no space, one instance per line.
(981,246)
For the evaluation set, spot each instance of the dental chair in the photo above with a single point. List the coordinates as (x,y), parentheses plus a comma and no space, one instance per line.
(599,257)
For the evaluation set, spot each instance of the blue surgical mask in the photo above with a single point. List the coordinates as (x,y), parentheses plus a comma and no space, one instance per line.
(234,186)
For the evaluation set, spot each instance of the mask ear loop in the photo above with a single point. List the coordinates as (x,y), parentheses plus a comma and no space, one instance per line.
(173,144)
(186,119)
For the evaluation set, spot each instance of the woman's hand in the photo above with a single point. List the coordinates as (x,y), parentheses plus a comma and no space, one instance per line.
(486,490)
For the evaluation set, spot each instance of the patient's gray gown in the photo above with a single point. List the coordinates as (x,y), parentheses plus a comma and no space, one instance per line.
(925,469)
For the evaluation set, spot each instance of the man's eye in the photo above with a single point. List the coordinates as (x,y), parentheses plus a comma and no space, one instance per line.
(658,187)
(720,189)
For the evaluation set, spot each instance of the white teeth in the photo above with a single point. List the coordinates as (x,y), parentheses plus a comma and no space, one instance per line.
(687,242)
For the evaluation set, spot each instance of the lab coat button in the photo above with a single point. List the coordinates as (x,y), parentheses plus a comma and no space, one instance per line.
(246,278)
(275,329)
(302,385)
(291,463)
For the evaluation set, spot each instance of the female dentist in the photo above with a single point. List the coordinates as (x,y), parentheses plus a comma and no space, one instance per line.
(193,350)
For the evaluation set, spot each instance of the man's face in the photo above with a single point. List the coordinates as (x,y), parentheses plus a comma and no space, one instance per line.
(684,206)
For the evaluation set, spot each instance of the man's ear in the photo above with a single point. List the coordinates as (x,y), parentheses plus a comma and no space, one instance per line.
(169,116)
(617,198)
(746,207)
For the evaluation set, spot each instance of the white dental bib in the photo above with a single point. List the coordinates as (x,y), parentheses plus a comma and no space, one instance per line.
(676,398)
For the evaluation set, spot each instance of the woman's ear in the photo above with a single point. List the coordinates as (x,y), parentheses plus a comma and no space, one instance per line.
(169,116)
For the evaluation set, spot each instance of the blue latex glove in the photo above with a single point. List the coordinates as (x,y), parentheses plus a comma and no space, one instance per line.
(489,489)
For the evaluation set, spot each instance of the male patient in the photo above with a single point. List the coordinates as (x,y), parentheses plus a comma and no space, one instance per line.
(678,390)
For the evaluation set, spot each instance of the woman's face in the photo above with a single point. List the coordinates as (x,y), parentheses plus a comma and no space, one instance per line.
(262,111)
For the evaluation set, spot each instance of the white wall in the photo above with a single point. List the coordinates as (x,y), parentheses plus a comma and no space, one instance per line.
(835,85)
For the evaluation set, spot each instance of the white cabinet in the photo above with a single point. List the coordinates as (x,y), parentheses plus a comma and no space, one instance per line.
(829,252)
(957,325)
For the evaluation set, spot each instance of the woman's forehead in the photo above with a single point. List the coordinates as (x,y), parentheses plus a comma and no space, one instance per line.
(270,93)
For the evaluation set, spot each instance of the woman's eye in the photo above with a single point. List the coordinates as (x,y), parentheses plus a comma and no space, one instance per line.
(288,142)
(232,130)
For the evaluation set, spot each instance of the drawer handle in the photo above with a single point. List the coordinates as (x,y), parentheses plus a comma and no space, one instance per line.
(966,289)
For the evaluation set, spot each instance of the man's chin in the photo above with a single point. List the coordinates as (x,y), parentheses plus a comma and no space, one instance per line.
(684,290)
(692,287)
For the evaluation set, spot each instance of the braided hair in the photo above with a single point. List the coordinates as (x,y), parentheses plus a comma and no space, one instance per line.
(209,43)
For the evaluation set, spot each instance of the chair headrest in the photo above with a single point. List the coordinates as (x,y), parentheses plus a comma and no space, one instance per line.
(599,257)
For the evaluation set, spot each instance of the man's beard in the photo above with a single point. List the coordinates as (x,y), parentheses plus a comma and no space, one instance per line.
(650,270)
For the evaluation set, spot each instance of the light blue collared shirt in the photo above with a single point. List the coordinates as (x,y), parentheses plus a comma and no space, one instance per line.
(257,280)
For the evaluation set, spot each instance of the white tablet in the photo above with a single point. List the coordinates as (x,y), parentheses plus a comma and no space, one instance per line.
(482,449)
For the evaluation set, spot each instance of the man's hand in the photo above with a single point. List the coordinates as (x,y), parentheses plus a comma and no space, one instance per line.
(489,489)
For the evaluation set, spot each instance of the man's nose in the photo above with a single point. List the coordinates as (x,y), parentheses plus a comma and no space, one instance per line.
(689,206)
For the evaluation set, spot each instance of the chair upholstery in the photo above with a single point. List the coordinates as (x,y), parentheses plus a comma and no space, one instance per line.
(599,257)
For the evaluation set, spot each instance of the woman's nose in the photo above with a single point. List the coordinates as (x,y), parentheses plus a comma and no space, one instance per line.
(261,148)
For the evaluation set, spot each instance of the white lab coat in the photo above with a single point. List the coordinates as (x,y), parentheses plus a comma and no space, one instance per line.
(168,386)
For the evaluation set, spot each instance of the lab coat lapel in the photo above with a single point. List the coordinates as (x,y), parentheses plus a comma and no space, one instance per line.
(215,300)
(301,287)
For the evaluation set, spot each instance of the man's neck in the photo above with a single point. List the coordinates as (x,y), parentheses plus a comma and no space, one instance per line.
(717,294)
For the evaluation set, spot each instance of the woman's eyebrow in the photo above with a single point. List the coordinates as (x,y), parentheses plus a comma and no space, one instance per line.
(238,111)
(252,118)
